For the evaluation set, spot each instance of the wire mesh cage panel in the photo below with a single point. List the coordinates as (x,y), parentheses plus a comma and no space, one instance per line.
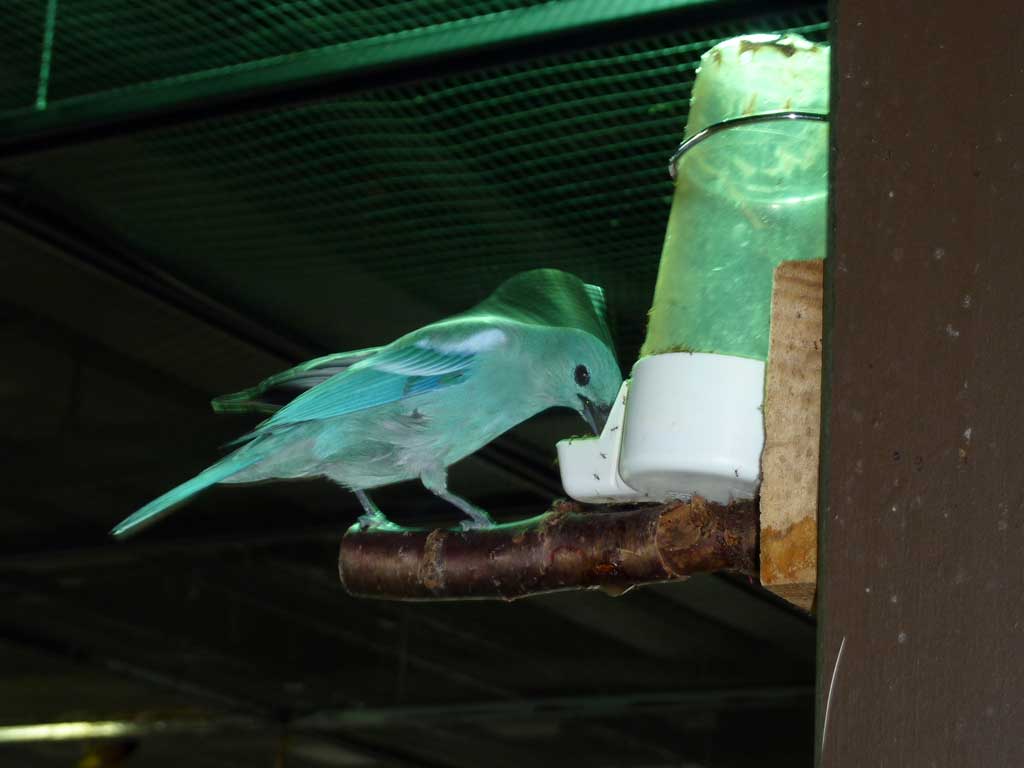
(172,236)
(438,188)
(96,46)
(21,46)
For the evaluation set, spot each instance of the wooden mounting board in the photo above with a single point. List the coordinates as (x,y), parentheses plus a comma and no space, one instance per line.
(792,412)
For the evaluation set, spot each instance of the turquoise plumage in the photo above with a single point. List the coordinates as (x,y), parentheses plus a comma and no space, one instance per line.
(412,408)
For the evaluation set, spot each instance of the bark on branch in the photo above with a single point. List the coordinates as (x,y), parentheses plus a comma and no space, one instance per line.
(570,547)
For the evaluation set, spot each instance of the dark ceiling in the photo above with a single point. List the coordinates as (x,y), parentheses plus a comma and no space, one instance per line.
(174,226)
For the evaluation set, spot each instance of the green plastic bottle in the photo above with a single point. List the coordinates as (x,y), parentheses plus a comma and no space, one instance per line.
(746,198)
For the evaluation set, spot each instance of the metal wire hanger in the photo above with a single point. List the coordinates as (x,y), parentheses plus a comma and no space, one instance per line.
(762,117)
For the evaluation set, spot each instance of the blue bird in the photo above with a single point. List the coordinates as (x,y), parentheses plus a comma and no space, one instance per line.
(411,409)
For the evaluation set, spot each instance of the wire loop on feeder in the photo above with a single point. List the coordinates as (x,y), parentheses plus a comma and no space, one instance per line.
(721,125)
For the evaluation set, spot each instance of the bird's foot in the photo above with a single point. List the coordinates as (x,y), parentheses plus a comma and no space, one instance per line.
(376,521)
(373,519)
(478,521)
(436,482)
(475,525)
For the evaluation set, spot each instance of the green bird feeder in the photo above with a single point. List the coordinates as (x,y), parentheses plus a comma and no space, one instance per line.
(751,189)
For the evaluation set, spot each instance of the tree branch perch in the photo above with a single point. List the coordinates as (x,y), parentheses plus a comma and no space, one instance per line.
(569,547)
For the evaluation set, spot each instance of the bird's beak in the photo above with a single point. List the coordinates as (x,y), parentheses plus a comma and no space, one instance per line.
(595,415)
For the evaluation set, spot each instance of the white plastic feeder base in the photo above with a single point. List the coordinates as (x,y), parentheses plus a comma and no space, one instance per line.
(590,465)
(692,424)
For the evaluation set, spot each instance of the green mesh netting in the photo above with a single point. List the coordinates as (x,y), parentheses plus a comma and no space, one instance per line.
(439,189)
(100,45)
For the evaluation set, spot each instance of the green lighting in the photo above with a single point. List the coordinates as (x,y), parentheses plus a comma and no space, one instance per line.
(46,56)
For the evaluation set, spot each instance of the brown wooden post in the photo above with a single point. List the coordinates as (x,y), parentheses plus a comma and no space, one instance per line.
(921,605)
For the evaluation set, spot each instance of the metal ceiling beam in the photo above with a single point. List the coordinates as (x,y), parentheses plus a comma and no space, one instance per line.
(89,730)
(45,332)
(86,245)
(756,613)
(568,708)
(84,548)
(549,709)
(69,649)
(91,548)
(319,748)
(350,723)
(649,625)
(236,715)
(496,38)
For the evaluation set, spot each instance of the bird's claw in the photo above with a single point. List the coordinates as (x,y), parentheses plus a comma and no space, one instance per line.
(476,525)
(376,522)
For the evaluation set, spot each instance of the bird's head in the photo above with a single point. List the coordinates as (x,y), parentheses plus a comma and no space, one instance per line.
(585,376)
(567,341)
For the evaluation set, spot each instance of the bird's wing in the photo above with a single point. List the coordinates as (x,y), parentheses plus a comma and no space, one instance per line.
(426,361)
(596,295)
(275,392)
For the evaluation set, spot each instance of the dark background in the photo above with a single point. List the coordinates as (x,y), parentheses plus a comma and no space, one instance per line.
(214,192)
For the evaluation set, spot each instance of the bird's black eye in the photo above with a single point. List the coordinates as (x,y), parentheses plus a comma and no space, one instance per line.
(582,375)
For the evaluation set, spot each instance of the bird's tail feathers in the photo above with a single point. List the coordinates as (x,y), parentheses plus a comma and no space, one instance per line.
(162,505)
